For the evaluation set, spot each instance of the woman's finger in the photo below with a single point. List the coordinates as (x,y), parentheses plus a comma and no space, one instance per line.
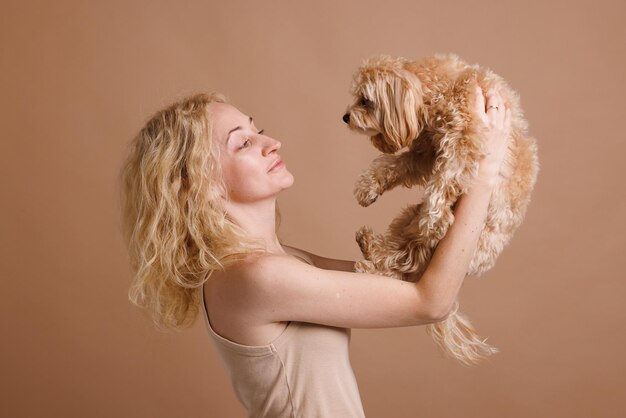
(493,101)
(480,98)
(507,119)
(480,105)
(498,109)
(500,112)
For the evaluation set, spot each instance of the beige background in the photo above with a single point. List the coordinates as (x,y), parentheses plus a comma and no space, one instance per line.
(80,78)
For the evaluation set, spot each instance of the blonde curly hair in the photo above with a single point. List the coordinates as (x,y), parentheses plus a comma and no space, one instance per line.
(173,217)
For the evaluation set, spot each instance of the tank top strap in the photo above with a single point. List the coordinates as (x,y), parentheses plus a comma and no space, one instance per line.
(295,252)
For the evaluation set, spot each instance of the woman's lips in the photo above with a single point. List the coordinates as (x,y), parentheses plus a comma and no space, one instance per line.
(277,165)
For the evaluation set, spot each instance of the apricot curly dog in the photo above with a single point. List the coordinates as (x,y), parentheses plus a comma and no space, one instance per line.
(426,107)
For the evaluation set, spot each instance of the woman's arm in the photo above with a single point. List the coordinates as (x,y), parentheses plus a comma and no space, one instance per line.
(275,288)
(442,279)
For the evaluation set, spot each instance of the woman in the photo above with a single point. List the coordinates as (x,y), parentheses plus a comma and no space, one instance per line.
(199,194)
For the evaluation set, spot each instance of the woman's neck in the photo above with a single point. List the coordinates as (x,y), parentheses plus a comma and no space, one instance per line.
(258,219)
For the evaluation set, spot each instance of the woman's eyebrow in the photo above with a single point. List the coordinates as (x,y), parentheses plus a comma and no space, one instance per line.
(235,129)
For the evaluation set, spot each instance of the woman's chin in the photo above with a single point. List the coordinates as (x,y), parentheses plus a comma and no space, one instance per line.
(289,179)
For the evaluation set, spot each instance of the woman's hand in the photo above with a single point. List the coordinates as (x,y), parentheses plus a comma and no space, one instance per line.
(497,119)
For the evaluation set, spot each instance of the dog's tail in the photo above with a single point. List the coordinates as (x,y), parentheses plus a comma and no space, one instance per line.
(457,339)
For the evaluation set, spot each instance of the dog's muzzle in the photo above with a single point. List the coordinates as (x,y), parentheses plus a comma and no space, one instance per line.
(346,118)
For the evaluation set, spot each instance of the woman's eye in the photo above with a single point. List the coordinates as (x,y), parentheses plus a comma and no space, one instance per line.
(245,143)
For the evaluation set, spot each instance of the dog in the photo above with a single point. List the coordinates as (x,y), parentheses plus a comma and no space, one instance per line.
(425,109)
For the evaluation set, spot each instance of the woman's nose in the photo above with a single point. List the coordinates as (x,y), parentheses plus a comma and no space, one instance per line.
(272,145)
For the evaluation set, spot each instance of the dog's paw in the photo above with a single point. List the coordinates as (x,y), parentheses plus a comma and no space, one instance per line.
(364,237)
(364,266)
(365,198)
(366,191)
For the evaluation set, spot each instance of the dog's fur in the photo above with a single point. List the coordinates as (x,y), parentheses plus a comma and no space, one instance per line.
(427,107)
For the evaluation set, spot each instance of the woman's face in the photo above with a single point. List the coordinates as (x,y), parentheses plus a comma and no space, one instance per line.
(251,166)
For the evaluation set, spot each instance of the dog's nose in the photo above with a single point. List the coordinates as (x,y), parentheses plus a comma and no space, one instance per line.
(346,118)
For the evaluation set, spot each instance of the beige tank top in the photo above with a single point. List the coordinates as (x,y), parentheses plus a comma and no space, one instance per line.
(304,373)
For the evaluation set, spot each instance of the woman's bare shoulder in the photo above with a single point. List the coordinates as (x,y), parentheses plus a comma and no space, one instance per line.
(249,269)
(233,304)
(246,284)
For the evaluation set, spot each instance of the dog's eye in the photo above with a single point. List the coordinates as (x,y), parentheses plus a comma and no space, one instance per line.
(365,102)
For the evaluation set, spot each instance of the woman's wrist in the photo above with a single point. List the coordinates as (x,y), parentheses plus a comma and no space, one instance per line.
(487,175)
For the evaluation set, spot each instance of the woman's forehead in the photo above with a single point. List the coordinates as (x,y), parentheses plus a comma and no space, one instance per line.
(224,118)
(224,112)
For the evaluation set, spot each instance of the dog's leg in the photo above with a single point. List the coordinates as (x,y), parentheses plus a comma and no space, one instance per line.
(384,252)
(388,171)
(367,240)
(453,171)
(366,266)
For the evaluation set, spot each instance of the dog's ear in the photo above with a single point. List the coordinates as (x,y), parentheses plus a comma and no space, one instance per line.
(401,99)
(412,103)
(383,145)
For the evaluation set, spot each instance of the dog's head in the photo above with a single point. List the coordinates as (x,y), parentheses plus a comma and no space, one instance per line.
(387,103)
